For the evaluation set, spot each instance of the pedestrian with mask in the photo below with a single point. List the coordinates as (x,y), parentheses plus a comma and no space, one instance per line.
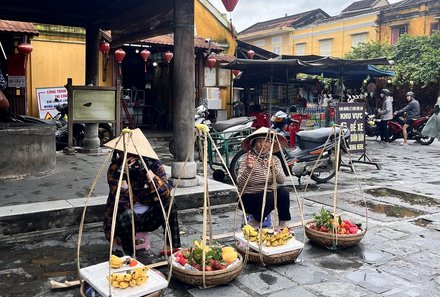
(386,114)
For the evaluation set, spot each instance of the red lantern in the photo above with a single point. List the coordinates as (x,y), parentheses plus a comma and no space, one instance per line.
(119,56)
(104,47)
(235,72)
(250,54)
(211,62)
(145,54)
(25,49)
(168,56)
(230,4)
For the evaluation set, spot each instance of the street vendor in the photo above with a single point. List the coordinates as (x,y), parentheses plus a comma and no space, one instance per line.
(251,177)
(148,186)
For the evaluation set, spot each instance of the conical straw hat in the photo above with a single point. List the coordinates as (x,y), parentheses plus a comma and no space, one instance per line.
(246,144)
(134,138)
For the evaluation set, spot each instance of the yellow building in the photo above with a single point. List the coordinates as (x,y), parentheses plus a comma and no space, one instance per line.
(411,17)
(277,35)
(336,36)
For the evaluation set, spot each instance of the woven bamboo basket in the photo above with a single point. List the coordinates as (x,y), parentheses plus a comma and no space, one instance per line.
(212,278)
(282,258)
(156,294)
(333,241)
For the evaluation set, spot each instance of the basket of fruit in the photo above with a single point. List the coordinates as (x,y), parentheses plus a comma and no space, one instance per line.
(331,231)
(222,265)
(277,246)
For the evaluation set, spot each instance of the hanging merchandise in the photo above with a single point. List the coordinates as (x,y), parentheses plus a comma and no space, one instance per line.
(119,56)
(145,54)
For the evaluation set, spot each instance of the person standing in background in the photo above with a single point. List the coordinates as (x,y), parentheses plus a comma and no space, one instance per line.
(386,114)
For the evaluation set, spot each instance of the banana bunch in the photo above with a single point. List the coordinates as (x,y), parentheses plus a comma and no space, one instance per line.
(279,238)
(116,262)
(252,234)
(131,278)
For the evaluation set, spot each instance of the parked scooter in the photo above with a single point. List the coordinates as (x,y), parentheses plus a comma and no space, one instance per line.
(301,161)
(395,127)
(372,128)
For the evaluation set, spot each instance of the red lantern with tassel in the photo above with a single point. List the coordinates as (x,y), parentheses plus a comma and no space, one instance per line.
(25,49)
(168,56)
(230,4)
(119,56)
(104,47)
(250,54)
(211,61)
(145,54)
(235,72)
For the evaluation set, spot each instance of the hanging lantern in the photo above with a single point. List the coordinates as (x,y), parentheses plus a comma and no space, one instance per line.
(104,47)
(145,54)
(119,56)
(168,56)
(250,54)
(211,62)
(230,4)
(235,72)
(25,49)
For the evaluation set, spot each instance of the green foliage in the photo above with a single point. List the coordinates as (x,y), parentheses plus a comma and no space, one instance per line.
(370,50)
(417,60)
(323,219)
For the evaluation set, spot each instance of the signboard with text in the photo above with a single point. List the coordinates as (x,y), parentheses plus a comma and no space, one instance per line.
(352,116)
(48,99)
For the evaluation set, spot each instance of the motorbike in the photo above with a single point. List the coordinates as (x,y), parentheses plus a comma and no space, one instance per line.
(372,125)
(302,161)
(395,127)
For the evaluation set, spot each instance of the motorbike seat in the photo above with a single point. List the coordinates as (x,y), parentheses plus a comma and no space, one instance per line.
(223,125)
(313,138)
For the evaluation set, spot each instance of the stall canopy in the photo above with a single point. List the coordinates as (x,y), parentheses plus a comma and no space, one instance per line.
(255,72)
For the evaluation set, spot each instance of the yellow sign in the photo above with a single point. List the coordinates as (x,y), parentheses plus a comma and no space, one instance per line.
(48,116)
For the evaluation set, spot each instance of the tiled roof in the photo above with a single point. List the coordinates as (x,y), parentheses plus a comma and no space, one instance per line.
(168,39)
(20,27)
(359,5)
(287,21)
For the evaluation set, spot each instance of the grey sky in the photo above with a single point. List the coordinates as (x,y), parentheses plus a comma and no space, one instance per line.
(249,12)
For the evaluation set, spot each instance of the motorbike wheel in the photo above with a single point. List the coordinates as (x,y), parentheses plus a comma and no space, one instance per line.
(425,140)
(239,157)
(325,176)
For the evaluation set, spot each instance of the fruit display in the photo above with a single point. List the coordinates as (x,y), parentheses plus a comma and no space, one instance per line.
(117,262)
(326,222)
(269,237)
(216,257)
(129,278)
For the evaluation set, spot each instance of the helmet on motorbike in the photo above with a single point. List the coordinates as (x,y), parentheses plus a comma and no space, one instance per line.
(411,94)
(386,92)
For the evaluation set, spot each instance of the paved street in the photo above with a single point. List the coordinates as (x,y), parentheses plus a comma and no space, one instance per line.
(399,255)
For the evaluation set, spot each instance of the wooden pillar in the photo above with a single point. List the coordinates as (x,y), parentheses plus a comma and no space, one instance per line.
(91,139)
(184,90)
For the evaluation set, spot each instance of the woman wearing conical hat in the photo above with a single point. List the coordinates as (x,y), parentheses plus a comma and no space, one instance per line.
(251,177)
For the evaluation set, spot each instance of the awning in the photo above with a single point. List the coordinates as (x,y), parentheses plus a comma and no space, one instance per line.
(255,72)
(18,27)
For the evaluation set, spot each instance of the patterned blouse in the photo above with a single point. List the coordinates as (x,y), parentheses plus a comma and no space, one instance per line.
(258,179)
(143,191)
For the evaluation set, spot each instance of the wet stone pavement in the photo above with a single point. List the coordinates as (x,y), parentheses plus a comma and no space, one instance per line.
(399,255)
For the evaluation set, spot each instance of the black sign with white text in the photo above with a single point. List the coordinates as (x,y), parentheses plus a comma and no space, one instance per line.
(352,116)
